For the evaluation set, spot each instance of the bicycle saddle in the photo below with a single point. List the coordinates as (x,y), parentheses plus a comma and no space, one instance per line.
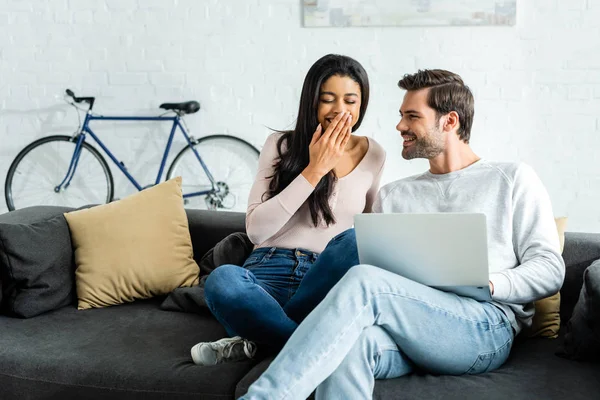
(187,107)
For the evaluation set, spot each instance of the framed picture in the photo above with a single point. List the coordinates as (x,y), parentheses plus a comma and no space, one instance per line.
(341,13)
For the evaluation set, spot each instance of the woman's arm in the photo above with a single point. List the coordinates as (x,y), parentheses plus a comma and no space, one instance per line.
(372,193)
(265,219)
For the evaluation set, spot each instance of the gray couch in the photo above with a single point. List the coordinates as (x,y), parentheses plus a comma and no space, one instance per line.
(138,351)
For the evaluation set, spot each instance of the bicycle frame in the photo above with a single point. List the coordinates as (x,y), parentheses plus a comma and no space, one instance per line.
(176,119)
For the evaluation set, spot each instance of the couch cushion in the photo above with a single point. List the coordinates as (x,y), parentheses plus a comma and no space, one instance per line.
(582,340)
(36,264)
(546,320)
(531,372)
(30,215)
(130,351)
(134,248)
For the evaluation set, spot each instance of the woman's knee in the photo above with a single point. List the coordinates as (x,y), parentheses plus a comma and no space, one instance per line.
(224,284)
(349,235)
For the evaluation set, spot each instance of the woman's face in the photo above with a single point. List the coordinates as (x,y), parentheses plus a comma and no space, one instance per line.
(337,94)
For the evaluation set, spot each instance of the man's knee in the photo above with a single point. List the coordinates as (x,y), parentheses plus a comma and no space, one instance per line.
(365,349)
(360,274)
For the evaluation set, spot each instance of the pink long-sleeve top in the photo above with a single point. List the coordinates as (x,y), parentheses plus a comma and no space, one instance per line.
(284,220)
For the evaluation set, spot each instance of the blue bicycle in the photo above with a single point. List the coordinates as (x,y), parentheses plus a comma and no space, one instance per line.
(217,171)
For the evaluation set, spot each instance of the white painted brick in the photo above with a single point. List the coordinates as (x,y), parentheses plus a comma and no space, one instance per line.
(537,83)
(576,4)
(4,19)
(580,92)
(128,78)
(145,65)
(54,54)
(584,61)
(87,4)
(83,17)
(556,76)
(160,5)
(167,78)
(121,4)
(17,5)
(63,16)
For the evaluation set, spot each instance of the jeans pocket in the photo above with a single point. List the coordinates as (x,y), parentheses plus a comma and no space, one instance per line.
(490,361)
(254,261)
(482,363)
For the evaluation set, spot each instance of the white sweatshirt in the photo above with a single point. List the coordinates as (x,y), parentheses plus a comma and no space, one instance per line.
(523,247)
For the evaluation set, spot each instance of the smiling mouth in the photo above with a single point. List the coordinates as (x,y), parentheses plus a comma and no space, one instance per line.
(408,140)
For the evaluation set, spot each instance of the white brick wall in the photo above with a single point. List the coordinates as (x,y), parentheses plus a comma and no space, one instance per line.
(537,85)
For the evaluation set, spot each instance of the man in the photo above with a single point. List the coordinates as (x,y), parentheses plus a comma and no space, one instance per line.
(375,324)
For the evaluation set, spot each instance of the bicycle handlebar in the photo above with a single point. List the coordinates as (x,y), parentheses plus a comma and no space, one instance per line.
(76,99)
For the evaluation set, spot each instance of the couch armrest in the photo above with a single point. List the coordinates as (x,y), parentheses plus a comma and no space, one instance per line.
(581,249)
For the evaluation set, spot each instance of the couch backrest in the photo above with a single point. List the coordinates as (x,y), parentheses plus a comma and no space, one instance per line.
(208,228)
(581,249)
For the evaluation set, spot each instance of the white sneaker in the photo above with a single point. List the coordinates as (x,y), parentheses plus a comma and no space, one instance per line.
(227,349)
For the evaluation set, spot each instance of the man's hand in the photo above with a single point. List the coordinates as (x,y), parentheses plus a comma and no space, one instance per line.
(491,287)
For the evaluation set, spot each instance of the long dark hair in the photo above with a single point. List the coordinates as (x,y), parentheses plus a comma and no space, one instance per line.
(296,157)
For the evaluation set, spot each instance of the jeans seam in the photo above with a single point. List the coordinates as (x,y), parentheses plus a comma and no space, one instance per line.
(379,354)
(292,292)
(291,280)
(218,316)
(473,321)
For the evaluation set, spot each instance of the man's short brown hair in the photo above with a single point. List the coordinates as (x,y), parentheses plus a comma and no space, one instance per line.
(447,92)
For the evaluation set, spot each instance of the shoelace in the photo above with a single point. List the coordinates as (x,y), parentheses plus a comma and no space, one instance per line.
(227,347)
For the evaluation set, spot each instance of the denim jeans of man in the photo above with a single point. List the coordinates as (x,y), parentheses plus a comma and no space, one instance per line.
(375,324)
(265,299)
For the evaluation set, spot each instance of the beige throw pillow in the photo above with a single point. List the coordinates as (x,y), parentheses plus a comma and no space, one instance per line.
(134,248)
(546,321)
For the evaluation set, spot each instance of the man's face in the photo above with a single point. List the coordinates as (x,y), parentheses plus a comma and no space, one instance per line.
(419,127)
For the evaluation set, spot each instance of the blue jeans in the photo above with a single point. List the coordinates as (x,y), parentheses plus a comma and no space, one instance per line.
(375,324)
(275,289)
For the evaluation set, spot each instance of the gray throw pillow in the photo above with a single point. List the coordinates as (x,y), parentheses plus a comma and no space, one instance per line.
(36,265)
(582,340)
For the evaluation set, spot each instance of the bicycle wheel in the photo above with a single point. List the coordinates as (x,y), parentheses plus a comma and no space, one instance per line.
(231,161)
(41,166)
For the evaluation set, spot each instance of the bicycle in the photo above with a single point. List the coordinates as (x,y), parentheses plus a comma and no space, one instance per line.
(68,171)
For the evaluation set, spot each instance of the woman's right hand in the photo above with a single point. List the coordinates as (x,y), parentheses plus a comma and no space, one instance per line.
(327,148)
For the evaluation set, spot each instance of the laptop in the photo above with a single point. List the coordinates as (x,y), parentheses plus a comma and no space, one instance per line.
(447,251)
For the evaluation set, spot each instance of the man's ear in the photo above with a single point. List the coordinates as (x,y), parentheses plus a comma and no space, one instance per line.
(452,122)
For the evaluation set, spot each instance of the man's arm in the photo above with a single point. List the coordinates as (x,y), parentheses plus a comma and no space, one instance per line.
(542,270)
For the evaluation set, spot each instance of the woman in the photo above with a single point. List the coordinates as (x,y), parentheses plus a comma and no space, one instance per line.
(310,183)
